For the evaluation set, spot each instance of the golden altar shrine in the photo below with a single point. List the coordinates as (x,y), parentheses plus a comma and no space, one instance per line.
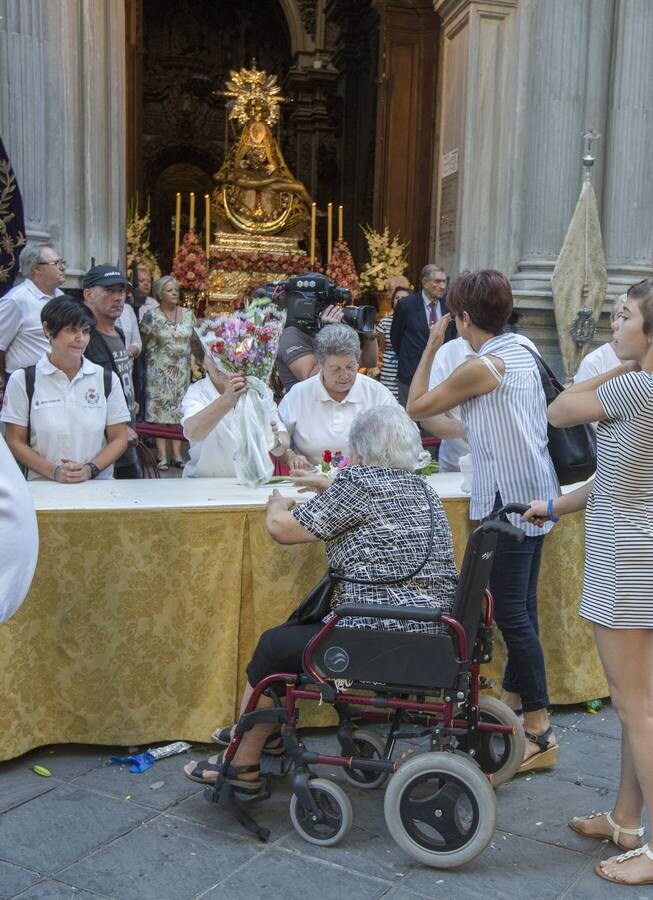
(262,211)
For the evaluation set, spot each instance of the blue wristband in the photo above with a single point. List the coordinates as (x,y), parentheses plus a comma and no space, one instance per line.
(549,512)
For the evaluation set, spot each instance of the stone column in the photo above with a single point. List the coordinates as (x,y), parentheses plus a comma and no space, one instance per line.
(86,118)
(565,90)
(23,106)
(628,195)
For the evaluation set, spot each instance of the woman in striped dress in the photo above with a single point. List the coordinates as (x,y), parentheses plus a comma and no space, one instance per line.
(618,585)
(389,360)
(504,414)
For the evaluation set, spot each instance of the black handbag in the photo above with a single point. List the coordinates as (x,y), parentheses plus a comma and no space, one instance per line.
(572,449)
(317,603)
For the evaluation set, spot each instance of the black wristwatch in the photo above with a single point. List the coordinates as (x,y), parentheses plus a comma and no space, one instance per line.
(94,469)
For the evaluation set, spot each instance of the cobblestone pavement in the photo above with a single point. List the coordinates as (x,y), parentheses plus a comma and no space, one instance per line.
(92,830)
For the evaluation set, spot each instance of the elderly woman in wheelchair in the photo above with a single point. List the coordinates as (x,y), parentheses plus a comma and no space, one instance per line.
(391,633)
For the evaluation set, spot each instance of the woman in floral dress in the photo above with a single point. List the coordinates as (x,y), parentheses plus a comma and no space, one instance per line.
(166,331)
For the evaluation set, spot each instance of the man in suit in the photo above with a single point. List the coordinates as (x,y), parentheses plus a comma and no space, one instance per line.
(411,322)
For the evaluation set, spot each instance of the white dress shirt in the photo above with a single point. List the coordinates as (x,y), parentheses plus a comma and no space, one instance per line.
(427,308)
(447,359)
(21,332)
(601,360)
(68,418)
(213,457)
(19,537)
(316,422)
(128,322)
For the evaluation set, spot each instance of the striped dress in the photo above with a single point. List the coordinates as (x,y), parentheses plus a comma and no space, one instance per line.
(618,585)
(507,431)
(389,361)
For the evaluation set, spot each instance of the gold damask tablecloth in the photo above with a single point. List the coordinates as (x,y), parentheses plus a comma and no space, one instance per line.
(139,623)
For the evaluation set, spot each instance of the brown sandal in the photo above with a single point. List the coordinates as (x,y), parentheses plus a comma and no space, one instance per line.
(546,756)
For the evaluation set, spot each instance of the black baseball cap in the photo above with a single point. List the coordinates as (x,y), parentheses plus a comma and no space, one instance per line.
(105,276)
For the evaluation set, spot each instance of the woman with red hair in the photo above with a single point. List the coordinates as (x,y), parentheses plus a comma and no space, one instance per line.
(504,414)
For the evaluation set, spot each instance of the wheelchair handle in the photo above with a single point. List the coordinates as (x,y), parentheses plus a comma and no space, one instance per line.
(509,508)
(387,611)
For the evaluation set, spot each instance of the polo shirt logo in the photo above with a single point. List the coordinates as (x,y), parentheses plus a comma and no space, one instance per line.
(92,397)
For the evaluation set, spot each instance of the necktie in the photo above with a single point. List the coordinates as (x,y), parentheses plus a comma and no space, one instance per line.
(433,312)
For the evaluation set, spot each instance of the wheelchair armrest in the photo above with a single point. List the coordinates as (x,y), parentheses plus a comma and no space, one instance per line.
(387,611)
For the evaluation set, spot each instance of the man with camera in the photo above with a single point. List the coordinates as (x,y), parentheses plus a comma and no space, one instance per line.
(311,302)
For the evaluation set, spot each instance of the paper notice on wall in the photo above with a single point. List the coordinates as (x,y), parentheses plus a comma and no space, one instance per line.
(448,214)
(450,163)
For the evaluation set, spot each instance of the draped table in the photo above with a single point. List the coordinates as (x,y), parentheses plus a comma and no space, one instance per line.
(149,596)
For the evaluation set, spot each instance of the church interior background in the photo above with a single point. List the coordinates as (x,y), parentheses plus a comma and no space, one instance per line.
(457,123)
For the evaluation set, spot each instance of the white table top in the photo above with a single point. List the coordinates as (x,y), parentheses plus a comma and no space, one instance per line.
(178,493)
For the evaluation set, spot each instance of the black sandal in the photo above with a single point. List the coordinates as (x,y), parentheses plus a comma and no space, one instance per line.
(546,756)
(222,738)
(253,786)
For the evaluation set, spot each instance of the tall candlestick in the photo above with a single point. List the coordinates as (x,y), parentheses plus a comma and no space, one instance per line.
(177,222)
(313,225)
(329,231)
(191,222)
(207,224)
(340,222)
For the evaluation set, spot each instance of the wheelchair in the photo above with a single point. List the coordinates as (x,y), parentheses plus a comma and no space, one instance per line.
(439,805)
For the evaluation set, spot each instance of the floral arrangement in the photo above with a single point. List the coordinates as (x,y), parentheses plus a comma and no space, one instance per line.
(261,261)
(387,257)
(333,461)
(341,269)
(189,266)
(138,242)
(247,341)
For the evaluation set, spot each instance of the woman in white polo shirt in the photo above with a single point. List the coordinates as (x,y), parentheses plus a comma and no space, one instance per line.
(208,420)
(73,429)
(318,412)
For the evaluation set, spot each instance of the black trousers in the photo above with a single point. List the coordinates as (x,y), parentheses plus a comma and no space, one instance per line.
(280,649)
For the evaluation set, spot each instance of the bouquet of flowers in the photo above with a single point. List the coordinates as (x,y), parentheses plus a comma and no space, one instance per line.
(387,257)
(341,268)
(246,343)
(333,461)
(189,265)
(138,242)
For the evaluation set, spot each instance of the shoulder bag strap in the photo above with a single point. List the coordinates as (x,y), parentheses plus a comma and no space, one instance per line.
(416,571)
(30,379)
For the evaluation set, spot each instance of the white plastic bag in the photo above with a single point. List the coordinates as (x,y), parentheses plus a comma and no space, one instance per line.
(254,435)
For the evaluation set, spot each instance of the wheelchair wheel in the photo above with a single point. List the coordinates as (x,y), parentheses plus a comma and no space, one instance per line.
(368,746)
(335,807)
(500,755)
(440,809)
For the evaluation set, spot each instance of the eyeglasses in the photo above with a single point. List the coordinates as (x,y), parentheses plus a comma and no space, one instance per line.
(60,263)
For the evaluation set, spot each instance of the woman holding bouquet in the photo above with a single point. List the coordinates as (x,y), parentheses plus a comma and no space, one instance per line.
(207,417)
(379,521)
(318,412)
(166,331)
(618,587)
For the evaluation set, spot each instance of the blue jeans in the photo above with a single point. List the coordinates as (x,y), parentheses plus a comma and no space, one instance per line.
(513,584)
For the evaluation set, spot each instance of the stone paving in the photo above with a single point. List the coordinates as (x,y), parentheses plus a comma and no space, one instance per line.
(92,830)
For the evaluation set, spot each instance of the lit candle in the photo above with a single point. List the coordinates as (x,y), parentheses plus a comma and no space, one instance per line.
(177,222)
(191,223)
(313,225)
(340,221)
(207,223)
(329,231)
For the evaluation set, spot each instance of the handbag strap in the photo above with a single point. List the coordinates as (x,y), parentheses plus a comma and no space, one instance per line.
(403,577)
